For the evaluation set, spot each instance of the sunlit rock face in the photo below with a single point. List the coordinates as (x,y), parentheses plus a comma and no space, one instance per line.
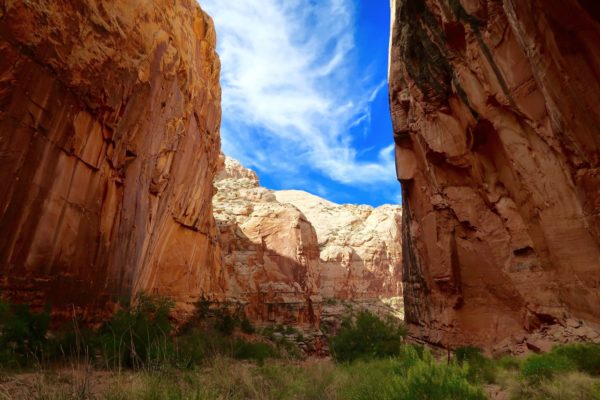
(270,250)
(496,124)
(109,141)
(287,253)
(360,246)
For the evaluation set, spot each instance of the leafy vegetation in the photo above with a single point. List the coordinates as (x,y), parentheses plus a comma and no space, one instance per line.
(563,359)
(480,368)
(138,336)
(412,374)
(22,334)
(367,336)
(221,356)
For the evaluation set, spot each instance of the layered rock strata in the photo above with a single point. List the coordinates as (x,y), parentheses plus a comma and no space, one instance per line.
(360,246)
(270,250)
(496,124)
(109,140)
(287,251)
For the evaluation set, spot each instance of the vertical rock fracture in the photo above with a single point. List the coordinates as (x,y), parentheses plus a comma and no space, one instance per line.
(495,105)
(109,141)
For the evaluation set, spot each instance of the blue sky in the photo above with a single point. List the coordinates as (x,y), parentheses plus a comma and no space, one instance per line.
(305,100)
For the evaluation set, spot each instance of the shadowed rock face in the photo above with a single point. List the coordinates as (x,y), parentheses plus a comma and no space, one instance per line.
(286,251)
(360,246)
(496,124)
(109,139)
(270,250)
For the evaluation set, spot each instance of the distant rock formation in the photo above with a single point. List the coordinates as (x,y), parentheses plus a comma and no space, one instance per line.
(109,141)
(360,246)
(286,251)
(495,106)
(270,250)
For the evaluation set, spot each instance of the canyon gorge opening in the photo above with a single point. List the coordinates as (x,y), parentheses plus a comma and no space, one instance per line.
(115,184)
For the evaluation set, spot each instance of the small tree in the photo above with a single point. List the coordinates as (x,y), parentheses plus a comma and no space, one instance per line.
(368,336)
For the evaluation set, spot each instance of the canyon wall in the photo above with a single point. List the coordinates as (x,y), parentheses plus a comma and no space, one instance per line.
(360,246)
(270,250)
(495,105)
(290,257)
(109,141)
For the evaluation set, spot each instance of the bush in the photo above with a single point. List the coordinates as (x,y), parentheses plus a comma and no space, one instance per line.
(371,379)
(583,357)
(436,381)
(508,363)
(23,335)
(196,346)
(544,366)
(253,351)
(226,323)
(481,369)
(366,337)
(414,375)
(246,326)
(138,336)
(586,356)
(573,385)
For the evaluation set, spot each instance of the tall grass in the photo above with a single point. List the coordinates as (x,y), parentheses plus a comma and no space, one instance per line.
(413,374)
(138,355)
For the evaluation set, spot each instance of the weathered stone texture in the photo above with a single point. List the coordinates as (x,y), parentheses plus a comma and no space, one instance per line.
(270,250)
(109,139)
(285,252)
(360,246)
(496,124)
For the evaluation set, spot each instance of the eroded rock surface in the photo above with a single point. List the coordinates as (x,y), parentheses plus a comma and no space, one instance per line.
(270,250)
(496,124)
(360,246)
(109,140)
(289,253)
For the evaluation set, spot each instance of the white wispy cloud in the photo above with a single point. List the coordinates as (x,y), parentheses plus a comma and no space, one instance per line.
(292,89)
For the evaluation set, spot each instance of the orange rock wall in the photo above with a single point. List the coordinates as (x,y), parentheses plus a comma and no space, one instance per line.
(109,139)
(270,251)
(496,111)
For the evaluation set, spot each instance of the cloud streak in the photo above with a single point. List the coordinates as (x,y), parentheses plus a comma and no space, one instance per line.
(290,89)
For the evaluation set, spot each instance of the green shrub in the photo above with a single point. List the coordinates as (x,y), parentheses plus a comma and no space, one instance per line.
(226,323)
(253,351)
(371,379)
(23,335)
(480,368)
(583,357)
(138,336)
(573,385)
(268,332)
(246,326)
(508,363)
(366,337)
(408,356)
(586,356)
(413,375)
(196,346)
(430,380)
(544,366)
(289,330)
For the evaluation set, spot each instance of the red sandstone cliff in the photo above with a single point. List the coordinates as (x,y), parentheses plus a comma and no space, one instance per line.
(496,115)
(109,138)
